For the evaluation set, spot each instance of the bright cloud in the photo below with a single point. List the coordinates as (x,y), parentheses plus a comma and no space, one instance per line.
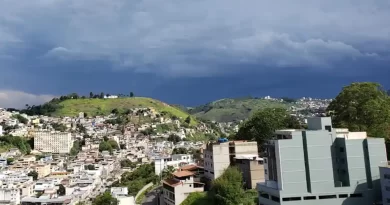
(18,99)
(186,37)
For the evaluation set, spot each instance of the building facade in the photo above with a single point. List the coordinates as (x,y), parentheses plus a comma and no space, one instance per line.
(176,190)
(385,183)
(322,166)
(252,169)
(218,156)
(53,142)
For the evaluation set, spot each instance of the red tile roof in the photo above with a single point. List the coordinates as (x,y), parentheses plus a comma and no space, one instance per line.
(171,182)
(183,173)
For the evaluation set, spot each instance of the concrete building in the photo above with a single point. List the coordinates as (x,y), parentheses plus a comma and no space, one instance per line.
(218,156)
(1,130)
(54,142)
(385,183)
(43,170)
(175,161)
(9,195)
(176,190)
(320,166)
(252,168)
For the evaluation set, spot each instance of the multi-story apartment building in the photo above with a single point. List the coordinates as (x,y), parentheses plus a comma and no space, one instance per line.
(1,130)
(219,155)
(322,166)
(385,183)
(252,169)
(176,190)
(54,142)
(175,161)
(9,194)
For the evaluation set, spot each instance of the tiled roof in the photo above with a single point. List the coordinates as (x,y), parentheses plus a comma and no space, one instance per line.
(183,173)
(171,182)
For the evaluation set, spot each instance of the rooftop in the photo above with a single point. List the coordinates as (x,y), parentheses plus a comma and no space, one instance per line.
(183,174)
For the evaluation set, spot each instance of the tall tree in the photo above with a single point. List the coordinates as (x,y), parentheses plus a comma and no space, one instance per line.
(105,199)
(61,190)
(131,94)
(262,125)
(90,94)
(362,107)
(167,172)
(227,189)
(101,95)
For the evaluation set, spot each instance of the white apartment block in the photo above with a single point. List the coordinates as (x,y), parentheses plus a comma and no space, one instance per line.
(218,156)
(9,195)
(175,161)
(53,142)
(1,130)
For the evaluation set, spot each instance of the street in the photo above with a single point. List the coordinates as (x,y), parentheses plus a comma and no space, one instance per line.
(151,198)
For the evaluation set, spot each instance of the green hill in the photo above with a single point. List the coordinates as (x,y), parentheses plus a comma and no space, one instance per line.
(93,107)
(228,110)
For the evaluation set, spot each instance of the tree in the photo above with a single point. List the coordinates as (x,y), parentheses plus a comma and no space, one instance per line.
(227,189)
(115,111)
(128,163)
(180,150)
(21,119)
(33,174)
(61,190)
(105,146)
(188,120)
(105,199)
(174,138)
(167,172)
(262,125)
(131,94)
(10,161)
(101,95)
(90,167)
(362,107)
(90,94)
(113,144)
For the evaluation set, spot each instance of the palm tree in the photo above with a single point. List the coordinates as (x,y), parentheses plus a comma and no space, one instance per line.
(167,172)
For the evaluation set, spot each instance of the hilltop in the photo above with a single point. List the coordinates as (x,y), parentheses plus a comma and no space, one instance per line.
(228,110)
(96,106)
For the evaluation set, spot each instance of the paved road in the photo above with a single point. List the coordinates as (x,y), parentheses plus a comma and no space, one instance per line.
(151,197)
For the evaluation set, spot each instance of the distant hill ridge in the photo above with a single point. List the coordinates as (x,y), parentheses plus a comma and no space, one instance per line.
(97,106)
(233,109)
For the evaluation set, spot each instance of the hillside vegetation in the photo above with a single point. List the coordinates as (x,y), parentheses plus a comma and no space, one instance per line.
(94,107)
(228,110)
(97,106)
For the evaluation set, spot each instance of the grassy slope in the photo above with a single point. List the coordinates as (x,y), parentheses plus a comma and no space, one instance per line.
(226,110)
(95,107)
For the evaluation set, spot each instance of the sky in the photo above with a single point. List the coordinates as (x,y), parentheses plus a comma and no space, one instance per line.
(190,52)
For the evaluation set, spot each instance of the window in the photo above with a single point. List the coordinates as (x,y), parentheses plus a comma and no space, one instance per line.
(275,198)
(265,171)
(388,200)
(329,128)
(327,197)
(260,162)
(358,195)
(264,195)
(341,149)
(292,199)
(309,198)
(387,188)
(341,196)
(387,176)
(265,161)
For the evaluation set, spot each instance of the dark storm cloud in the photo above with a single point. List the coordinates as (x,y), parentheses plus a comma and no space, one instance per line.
(65,42)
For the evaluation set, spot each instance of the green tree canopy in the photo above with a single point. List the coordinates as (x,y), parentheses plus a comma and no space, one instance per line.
(167,172)
(105,146)
(362,107)
(61,190)
(227,189)
(262,125)
(105,199)
(33,174)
